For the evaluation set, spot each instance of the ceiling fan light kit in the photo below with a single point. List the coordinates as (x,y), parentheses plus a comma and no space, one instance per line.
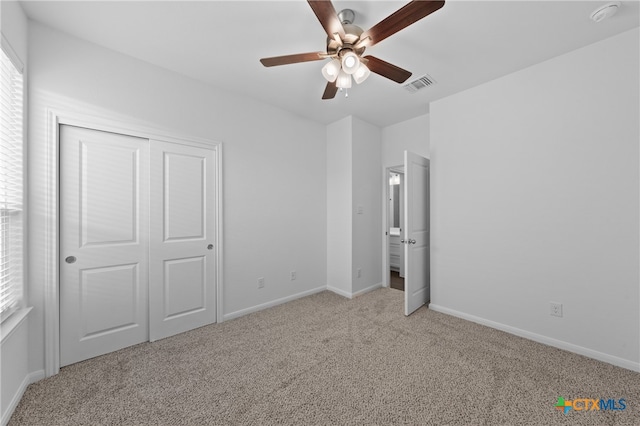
(361,74)
(350,62)
(346,44)
(344,80)
(344,69)
(331,69)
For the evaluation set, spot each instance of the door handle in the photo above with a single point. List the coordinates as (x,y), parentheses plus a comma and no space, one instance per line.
(210,247)
(70,259)
(410,241)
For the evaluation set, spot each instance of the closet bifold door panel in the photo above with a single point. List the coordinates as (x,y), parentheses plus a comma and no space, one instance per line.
(182,280)
(104,247)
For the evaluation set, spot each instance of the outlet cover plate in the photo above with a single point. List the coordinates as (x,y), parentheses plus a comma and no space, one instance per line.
(555,309)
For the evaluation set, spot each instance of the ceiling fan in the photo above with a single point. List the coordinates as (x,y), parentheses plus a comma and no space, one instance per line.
(346,44)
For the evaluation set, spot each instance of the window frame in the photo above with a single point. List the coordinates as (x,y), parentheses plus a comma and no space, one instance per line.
(18,256)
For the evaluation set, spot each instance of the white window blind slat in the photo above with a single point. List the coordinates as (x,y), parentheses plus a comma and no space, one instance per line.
(11,186)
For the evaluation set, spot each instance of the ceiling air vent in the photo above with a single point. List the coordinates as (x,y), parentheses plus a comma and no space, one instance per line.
(419,83)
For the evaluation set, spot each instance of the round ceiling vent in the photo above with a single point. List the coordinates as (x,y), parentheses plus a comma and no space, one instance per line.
(605,11)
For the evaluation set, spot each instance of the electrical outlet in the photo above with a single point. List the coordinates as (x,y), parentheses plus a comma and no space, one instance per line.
(261,282)
(359,272)
(556,309)
(293,275)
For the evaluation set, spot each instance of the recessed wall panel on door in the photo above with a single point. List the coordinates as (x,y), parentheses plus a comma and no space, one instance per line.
(183,240)
(104,242)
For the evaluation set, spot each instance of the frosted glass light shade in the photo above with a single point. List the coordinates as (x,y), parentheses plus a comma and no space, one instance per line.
(331,70)
(361,74)
(350,62)
(344,80)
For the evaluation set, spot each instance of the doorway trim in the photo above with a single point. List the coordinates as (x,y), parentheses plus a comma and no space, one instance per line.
(131,127)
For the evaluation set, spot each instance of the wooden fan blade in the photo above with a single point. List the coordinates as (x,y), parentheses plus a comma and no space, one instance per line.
(330,91)
(386,69)
(328,17)
(293,59)
(400,19)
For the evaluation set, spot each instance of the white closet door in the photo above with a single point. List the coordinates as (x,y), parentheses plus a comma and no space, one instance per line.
(104,242)
(183,242)
(417,281)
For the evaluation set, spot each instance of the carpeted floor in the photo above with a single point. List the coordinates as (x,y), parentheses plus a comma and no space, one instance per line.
(326,360)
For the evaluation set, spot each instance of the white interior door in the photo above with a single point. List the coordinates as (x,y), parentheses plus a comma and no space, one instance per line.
(416,232)
(402,222)
(104,242)
(183,241)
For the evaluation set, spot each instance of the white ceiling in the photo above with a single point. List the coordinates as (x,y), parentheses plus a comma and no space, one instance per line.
(220,42)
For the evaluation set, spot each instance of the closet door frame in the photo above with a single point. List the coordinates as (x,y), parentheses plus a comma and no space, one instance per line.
(131,127)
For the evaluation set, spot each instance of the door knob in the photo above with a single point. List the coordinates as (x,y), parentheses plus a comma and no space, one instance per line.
(210,247)
(70,259)
(402,241)
(412,241)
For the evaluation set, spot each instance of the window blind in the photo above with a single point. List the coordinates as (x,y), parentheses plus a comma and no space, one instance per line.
(11,186)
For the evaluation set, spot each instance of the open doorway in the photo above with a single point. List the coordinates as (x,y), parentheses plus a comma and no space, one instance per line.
(406,248)
(395,224)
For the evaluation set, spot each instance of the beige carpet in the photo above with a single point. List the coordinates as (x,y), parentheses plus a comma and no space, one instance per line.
(327,360)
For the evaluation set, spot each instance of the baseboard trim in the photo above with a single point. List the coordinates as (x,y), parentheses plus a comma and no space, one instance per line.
(570,347)
(367,290)
(340,292)
(246,311)
(350,295)
(36,376)
(28,379)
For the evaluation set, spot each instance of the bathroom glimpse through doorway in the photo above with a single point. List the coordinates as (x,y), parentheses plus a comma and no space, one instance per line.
(406,248)
(395,215)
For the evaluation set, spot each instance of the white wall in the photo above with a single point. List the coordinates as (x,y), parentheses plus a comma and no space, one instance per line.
(339,202)
(535,193)
(14,350)
(354,174)
(367,194)
(410,135)
(274,165)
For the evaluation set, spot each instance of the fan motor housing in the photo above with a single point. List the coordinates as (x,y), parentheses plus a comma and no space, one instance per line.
(352,35)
